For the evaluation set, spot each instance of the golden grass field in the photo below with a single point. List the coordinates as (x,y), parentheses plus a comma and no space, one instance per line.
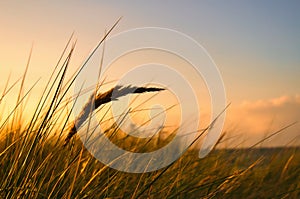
(35,164)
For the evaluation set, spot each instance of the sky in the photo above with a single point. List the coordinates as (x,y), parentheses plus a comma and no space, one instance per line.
(255,44)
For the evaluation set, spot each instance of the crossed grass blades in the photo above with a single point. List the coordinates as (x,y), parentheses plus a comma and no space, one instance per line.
(34,165)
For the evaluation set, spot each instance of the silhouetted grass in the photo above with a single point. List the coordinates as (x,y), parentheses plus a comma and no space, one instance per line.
(35,165)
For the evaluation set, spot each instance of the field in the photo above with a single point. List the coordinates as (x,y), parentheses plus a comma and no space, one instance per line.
(35,164)
(46,170)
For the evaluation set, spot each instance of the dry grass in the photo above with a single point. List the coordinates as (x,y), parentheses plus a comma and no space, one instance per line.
(34,165)
(103,98)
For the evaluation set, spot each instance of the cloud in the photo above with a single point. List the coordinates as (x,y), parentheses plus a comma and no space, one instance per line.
(271,103)
(256,119)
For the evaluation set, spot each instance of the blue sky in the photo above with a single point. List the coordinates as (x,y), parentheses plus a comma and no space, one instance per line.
(255,44)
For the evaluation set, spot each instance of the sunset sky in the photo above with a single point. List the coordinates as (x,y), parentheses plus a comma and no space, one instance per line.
(255,44)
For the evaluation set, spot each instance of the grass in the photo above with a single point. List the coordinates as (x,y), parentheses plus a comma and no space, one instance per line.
(34,163)
(96,101)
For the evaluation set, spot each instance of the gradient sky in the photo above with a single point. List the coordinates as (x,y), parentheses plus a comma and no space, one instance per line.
(255,44)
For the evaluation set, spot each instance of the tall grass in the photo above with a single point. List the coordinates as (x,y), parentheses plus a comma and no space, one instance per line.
(34,163)
(96,101)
